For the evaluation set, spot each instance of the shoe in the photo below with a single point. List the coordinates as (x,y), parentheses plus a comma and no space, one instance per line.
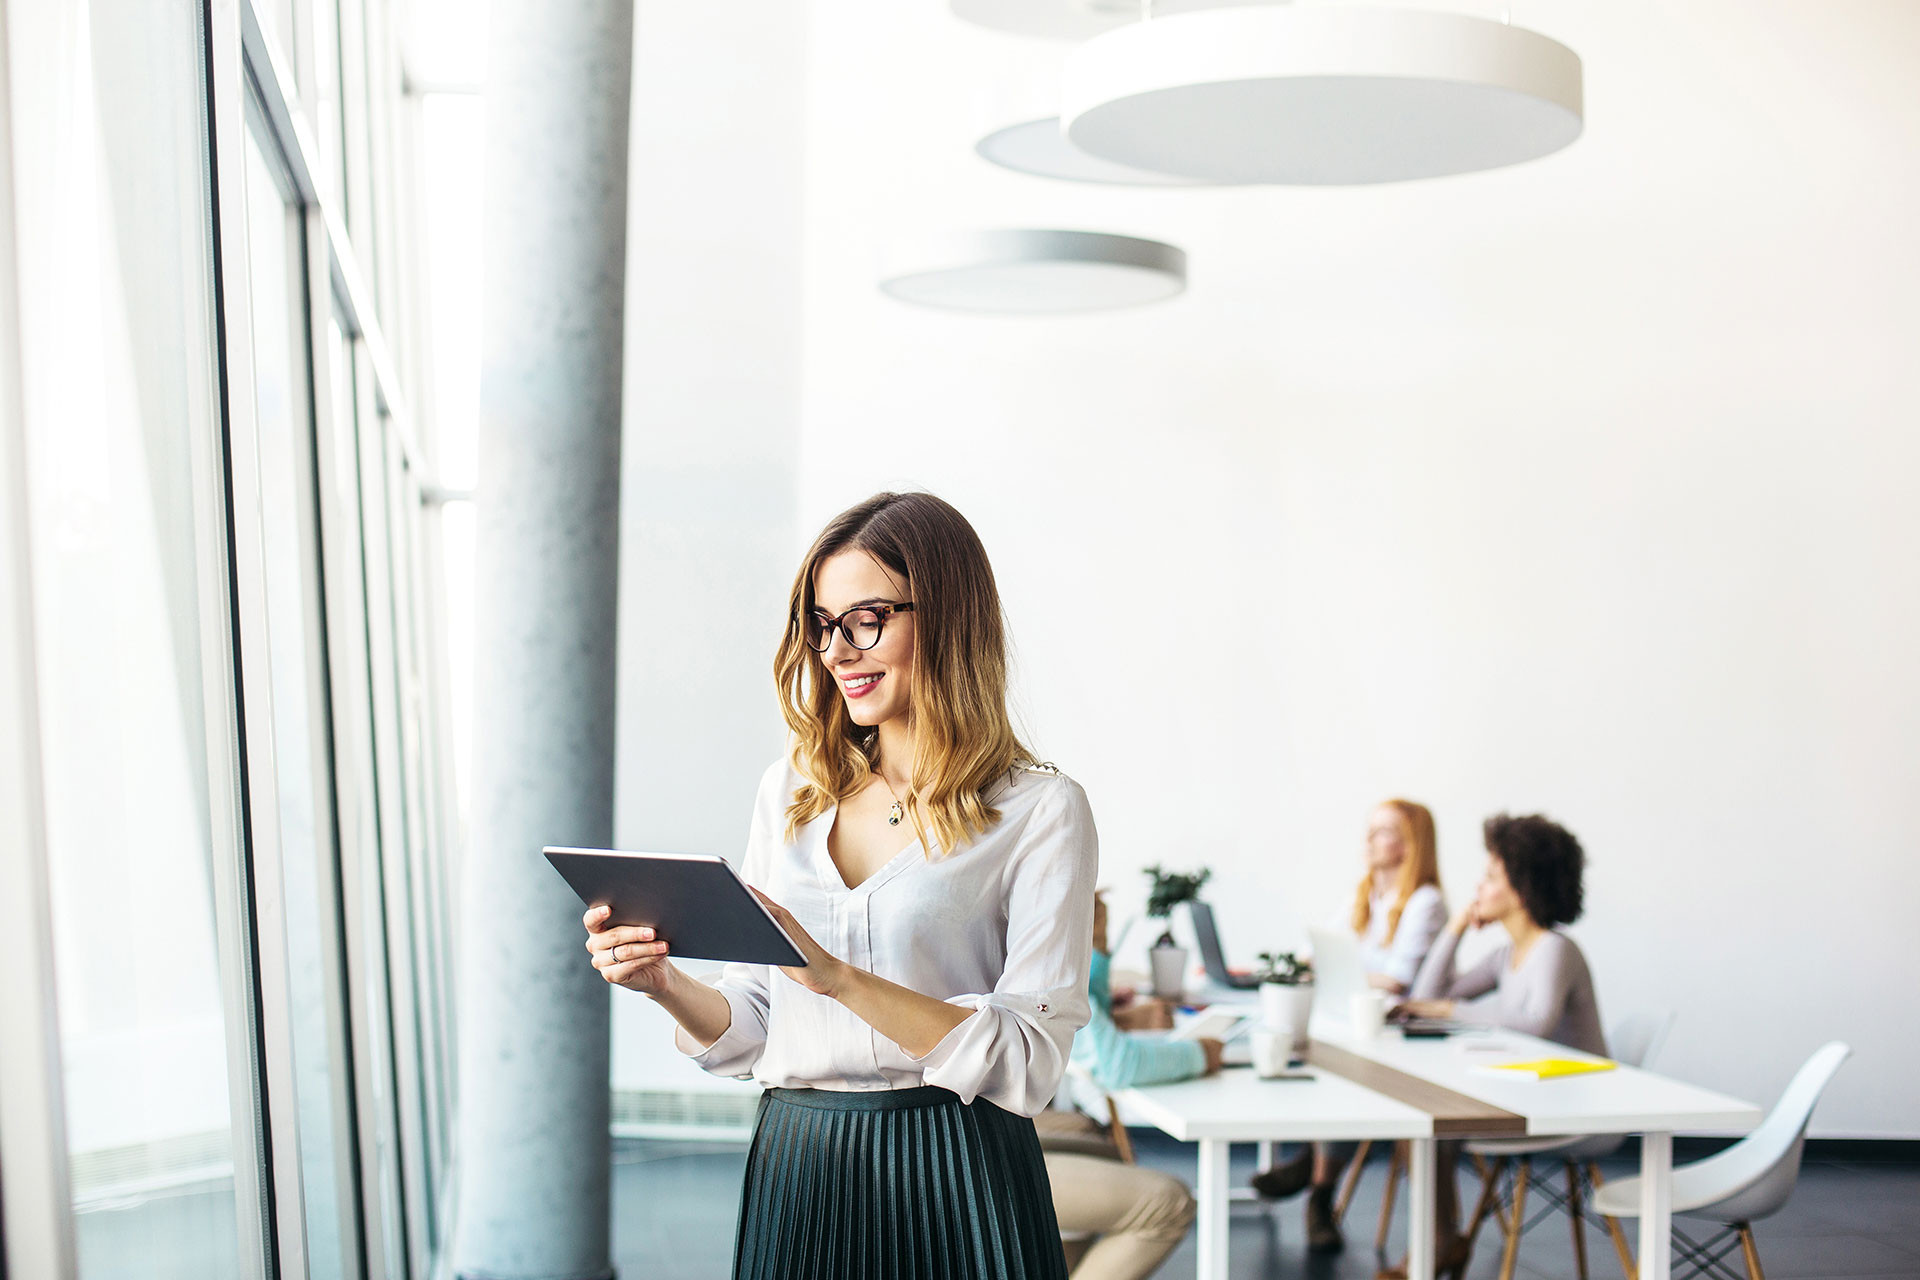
(1450,1261)
(1284,1180)
(1323,1232)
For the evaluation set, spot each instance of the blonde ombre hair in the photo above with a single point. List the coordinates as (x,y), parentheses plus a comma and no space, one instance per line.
(1420,866)
(963,737)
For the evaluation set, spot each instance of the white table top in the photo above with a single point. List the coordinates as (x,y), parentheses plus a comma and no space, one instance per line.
(1238,1106)
(1623,1100)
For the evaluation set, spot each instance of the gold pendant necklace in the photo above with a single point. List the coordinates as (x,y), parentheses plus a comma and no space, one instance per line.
(898,812)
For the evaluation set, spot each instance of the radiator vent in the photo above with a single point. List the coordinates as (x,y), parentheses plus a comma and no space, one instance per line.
(109,1175)
(716,1117)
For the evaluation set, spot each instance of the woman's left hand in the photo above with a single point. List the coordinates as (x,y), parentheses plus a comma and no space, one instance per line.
(824,973)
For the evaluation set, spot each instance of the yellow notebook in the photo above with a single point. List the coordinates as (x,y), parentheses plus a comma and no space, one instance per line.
(1544,1068)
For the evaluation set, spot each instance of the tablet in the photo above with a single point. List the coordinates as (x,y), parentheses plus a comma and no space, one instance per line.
(695,902)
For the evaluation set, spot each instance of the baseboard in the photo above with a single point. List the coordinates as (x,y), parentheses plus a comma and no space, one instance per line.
(1891,1151)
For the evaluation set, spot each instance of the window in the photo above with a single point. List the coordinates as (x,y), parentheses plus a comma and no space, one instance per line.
(136,741)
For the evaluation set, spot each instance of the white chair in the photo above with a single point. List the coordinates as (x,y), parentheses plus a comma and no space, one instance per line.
(1506,1166)
(1748,1181)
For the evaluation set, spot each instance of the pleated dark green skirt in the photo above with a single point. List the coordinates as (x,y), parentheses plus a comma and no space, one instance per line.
(907,1184)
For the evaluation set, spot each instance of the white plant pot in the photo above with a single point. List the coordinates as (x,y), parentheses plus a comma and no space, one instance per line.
(1169,971)
(1287,1010)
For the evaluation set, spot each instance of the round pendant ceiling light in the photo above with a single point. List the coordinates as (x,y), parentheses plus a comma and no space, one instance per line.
(1038,147)
(1032,271)
(1320,95)
(1072,19)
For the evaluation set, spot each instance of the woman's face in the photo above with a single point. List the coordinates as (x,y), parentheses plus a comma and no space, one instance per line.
(1386,839)
(1496,897)
(872,682)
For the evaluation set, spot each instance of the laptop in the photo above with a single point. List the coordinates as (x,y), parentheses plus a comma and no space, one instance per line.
(1207,934)
(1338,975)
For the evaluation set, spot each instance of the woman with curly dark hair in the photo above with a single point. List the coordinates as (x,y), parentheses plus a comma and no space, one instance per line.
(1534,981)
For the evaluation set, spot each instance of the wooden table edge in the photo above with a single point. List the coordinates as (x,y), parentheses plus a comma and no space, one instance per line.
(1455,1115)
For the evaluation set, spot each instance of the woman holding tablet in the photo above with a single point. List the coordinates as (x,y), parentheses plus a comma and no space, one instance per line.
(940,884)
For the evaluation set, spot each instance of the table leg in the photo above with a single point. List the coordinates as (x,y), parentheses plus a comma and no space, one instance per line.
(1211,1204)
(1420,1209)
(1656,1206)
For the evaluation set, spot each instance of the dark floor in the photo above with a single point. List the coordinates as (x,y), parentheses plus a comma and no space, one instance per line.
(674,1207)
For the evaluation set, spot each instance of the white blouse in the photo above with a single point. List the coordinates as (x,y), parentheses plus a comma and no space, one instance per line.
(1420,923)
(1003,927)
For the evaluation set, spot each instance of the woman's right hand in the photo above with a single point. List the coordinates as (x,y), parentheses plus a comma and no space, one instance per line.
(627,955)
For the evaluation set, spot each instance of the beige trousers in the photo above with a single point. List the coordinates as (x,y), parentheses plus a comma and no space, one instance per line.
(1127,1219)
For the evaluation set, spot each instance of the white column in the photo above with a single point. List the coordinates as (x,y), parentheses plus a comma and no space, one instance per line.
(1656,1206)
(1211,1195)
(535,1176)
(1420,1209)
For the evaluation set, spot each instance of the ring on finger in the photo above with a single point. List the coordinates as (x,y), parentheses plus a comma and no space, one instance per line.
(613,954)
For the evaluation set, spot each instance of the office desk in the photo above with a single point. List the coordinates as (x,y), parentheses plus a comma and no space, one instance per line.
(1623,1100)
(1237,1106)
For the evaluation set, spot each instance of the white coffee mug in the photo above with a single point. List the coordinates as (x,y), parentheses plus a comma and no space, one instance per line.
(1367,1014)
(1271,1049)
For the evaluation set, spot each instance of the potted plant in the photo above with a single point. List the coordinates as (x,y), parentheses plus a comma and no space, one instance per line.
(1286,995)
(1167,959)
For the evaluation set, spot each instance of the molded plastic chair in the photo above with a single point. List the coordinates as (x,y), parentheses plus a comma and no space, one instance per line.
(1634,1041)
(1748,1181)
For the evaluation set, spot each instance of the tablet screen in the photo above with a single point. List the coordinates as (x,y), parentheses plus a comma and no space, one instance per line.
(696,903)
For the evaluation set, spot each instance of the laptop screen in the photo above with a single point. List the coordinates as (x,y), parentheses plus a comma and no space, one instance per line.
(1208,937)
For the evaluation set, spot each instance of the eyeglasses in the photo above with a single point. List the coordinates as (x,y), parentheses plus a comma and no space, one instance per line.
(861,626)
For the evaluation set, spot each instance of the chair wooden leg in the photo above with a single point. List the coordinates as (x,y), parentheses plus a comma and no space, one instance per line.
(1576,1213)
(1751,1253)
(1521,1179)
(1502,1200)
(1354,1167)
(1488,1206)
(1394,1167)
(1620,1246)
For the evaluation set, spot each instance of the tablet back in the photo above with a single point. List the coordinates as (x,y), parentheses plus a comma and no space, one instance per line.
(696,902)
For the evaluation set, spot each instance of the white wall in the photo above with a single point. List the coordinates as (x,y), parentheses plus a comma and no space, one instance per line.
(712,396)
(1580,487)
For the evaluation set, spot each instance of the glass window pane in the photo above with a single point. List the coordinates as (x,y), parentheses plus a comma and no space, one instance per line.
(115,225)
(277,20)
(360,834)
(326,100)
(283,423)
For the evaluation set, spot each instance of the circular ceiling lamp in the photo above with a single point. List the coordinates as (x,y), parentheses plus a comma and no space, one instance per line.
(1039,148)
(1072,19)
(1320,95)
(1028,271)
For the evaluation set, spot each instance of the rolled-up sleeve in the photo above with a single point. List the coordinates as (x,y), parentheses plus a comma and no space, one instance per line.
(1013,1049)
(738,1049)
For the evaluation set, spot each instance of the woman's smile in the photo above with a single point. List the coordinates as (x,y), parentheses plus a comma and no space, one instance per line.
(858,686)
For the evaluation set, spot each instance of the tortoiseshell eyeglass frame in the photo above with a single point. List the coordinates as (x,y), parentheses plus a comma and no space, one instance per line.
(827,624)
